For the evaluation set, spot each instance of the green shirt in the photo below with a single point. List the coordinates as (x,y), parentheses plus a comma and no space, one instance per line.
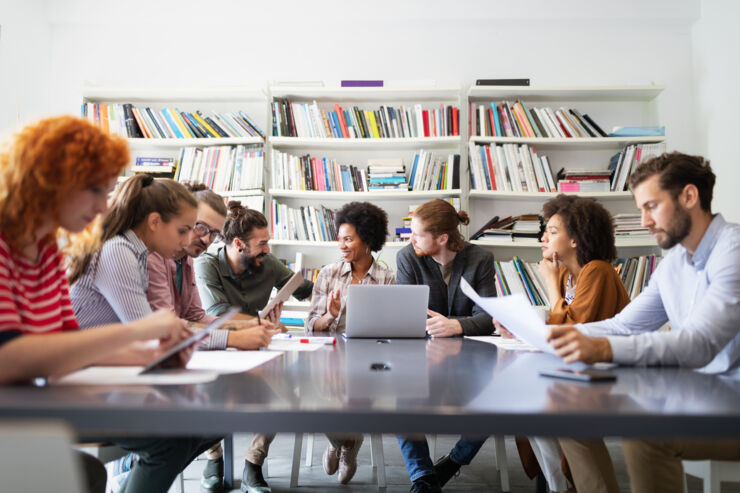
(219,288)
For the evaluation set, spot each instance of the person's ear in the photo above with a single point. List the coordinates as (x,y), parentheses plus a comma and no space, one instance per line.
(689,196)
(154,220)
(442,239)
(573,244)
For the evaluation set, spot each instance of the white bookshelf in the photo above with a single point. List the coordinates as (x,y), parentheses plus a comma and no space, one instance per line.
(646,242)
(146,144)
(399,195)
(645,93)
(543,196)
(576,142)
(364,144)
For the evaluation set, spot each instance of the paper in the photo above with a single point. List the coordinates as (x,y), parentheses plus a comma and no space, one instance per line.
(129,375)
(284,293)
(288,345)
(516,314)
(504,343)
(225,362)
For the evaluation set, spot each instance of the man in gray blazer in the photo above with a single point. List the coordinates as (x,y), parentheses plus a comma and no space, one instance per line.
(438,256)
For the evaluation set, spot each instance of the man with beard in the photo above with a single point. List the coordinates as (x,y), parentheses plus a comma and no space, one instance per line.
(438,256)
(242,272)
(695,289)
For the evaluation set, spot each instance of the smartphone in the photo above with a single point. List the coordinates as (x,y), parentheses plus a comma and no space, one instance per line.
(581,376)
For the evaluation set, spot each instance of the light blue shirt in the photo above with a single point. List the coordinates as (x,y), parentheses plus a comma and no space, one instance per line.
(698,295)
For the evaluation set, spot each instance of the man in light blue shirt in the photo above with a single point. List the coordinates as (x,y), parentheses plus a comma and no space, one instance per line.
(696,289)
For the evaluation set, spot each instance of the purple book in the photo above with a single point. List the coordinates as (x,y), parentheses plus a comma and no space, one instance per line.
(362,83)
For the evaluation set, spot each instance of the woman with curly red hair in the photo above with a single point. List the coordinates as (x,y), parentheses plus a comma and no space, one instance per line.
(54,177)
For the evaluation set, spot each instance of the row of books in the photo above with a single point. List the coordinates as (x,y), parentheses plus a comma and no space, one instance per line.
(296,119)
(624,163)
(306,172)
(128,120)
(222,168)
(584,180)
(517,276)
(505,119)
(434,172)
(511,227)
(306,223)
(509,168)
(627,225)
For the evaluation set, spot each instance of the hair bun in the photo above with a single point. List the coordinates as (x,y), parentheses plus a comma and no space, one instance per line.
(463,217)
(194,186)
(236,209)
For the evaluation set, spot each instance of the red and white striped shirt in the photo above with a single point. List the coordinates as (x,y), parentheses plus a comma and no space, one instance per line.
(34,297)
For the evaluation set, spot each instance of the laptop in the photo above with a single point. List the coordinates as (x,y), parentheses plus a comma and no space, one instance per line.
(387,311)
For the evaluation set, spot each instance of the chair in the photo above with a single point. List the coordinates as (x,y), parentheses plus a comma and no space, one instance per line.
(499,450)
(377,458)
(712,472)
(24,445)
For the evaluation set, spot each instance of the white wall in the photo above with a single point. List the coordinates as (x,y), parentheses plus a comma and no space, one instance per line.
(716,44)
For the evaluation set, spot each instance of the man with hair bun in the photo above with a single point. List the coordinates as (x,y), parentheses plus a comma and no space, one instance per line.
(439,257)
(242,272)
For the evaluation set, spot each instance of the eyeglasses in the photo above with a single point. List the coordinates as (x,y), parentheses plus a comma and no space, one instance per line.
(201,230)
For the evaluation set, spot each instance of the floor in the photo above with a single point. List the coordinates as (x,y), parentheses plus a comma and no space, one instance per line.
(480,476)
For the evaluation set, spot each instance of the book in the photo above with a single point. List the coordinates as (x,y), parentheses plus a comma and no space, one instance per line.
(502,82)
(637,132)
(362,83)
(154,164)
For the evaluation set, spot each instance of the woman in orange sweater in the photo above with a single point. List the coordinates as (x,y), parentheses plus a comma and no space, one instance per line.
(582,286)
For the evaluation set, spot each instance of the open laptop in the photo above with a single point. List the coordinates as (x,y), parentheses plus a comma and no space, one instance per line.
(388,311)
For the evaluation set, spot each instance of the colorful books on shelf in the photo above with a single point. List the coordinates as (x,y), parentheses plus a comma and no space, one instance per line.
(386,174)
(132,121)
(434,172)
(307,172)
(584,180)
(222,168)
(522,120)
(154,165)
(305,223)
(624,162)
(509,168)
(525,226)
(308,120)
(635,272)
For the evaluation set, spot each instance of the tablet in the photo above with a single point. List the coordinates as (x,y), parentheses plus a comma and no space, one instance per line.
(193,339)
(284,293)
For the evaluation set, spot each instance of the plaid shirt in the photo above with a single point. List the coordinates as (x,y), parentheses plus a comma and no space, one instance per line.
(339,275)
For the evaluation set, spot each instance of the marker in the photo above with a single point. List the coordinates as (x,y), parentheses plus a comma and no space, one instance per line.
(319,340)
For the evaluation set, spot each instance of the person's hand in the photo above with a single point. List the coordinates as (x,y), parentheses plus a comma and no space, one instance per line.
(334,303)
(440,349)
(571,345)
(502,330)
(162,324)
(274,315)
(179,360)
(249,323)
(251,338)
(440,326)
(549,269)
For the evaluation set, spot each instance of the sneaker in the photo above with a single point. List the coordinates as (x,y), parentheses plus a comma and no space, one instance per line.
(331,459)
(252,479)
(212,480)
(348,460)
(426,484)
(446,468)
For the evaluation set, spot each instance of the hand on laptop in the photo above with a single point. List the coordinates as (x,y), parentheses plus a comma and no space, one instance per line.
(440,326)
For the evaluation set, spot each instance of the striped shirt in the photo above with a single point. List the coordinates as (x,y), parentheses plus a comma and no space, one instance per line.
(339,275)
(114,287)
(34,296)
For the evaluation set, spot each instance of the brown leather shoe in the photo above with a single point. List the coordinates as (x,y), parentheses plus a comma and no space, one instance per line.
(348,460)
(331,459)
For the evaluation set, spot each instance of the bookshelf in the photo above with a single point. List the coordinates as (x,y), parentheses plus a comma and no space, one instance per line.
(609,106)
(250,100)
(357,151)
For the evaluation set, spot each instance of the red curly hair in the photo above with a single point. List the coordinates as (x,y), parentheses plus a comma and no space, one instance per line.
(43,163)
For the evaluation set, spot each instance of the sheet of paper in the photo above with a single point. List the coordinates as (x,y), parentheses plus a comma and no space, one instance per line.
(129,375)
(504,343)
(288,345)
(229,361)
(516,314)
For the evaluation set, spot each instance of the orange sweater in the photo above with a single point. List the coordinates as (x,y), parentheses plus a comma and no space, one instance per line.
(599,295)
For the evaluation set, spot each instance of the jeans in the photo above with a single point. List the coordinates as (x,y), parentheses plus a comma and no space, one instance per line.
(416,455)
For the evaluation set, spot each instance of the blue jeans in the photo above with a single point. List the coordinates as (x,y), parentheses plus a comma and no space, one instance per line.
(416,455)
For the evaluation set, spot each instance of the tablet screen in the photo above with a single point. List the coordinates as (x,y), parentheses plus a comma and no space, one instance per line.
(193,339)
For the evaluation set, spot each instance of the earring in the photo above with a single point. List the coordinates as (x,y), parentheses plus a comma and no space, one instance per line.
(241,250)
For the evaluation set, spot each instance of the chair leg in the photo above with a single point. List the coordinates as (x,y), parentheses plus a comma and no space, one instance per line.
(297,447)
(433,446)
(502,463)
(376,452)
(181,483)
(229,462)
(309,450)
(714,479)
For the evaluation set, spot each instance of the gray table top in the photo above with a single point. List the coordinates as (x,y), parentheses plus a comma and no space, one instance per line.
(432,386)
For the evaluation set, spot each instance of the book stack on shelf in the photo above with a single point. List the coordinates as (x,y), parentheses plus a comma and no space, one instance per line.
(387,174)
(158,167)
(130,121)
(584,180)
(525,226)
(505,119)
(305,223)
(509,168)
(307,172)
(434,172)
(635,272)
(296,119)
(222,168)
(404,232)
(628,225)
(624,163)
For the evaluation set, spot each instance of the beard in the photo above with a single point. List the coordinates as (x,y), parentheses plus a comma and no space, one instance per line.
(427,253)
(678,229)
(250,262)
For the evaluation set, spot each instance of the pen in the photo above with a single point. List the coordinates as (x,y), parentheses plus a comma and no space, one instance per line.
(319,340)
(259,321)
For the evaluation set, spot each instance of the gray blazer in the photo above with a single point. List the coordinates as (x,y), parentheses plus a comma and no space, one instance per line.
(474,264)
